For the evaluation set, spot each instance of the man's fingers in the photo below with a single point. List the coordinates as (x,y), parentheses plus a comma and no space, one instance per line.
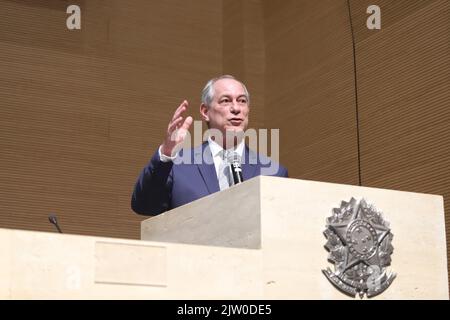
(177,123)
(178,112)
(187,123)
(173,125)
(183,106)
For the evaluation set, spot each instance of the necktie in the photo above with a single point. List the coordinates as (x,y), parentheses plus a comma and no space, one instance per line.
(224,172)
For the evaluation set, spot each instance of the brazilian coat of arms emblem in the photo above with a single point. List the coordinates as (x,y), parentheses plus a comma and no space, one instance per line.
(359,245)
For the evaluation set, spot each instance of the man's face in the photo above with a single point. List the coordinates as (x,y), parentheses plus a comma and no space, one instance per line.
(229,109)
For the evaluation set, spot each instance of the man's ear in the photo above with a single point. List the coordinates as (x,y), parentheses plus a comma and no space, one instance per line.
(204,112)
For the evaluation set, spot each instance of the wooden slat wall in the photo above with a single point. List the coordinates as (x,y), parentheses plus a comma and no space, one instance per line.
(243,51)
(402,84)
(82,111)
(309,88)
(404,97)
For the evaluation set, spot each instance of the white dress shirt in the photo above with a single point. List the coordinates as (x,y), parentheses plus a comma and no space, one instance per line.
(217,153)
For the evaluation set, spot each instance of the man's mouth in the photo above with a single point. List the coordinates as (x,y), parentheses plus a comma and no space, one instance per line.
(235,121)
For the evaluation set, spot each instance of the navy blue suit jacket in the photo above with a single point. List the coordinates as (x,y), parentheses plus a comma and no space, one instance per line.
(163,186)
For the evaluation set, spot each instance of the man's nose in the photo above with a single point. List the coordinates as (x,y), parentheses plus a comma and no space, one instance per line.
(235,108)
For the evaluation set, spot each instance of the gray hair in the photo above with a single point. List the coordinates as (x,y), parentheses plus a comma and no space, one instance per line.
(208,90)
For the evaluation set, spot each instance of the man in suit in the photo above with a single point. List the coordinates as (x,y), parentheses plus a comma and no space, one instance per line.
(166,183)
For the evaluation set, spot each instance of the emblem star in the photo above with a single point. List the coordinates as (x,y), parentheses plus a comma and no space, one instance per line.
(359,245)
(360,237)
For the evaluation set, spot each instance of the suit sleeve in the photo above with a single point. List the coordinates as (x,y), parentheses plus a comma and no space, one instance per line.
(153,190)
(284,172)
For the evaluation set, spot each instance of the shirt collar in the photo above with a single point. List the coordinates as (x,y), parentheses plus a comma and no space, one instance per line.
(216,149)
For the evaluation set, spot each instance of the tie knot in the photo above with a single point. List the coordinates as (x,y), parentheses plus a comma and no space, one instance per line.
(232,157)
(225,154)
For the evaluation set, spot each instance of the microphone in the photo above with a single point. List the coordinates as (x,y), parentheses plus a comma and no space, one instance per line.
(235,163)
(53,220)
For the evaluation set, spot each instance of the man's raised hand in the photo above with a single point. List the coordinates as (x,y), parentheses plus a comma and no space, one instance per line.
(176,130)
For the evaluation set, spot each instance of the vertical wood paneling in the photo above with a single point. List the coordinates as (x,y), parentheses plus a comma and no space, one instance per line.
(404,97)
(402,85)
(82,111)
(309,88)
(243,51)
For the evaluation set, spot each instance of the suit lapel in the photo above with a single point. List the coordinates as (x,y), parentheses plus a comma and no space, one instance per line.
(205,164)
(250,164)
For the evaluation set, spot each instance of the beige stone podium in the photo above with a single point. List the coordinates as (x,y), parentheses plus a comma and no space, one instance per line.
(284,219)
(262,239)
